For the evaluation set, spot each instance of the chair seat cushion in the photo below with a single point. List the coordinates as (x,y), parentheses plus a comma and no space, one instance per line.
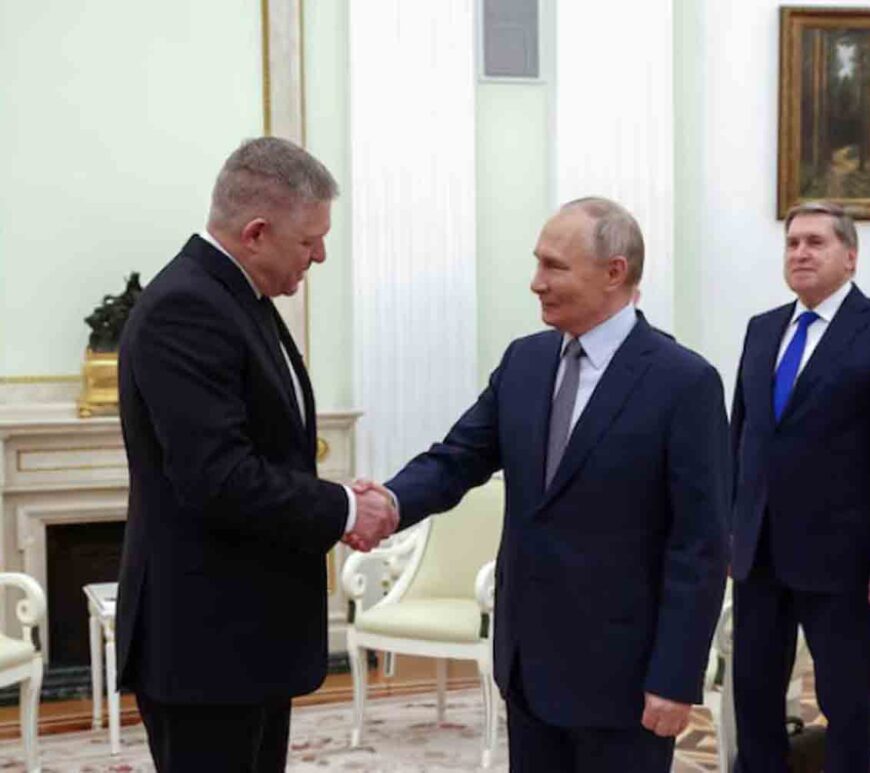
(14,652)
(455,620)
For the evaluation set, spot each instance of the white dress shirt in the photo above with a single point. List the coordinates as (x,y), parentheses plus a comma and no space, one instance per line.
(599,346)
(297,384)
(826,311)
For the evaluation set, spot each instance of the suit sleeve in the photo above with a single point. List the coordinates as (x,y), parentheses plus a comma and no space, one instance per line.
(436,480)
(188,364)
(738,415)
(694,562)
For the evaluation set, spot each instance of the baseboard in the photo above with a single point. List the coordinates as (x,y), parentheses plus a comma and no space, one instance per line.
(74,682)
(79,717)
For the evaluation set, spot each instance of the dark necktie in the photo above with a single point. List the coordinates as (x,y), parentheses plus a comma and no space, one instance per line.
(270,315)
(563,408)
(786,373)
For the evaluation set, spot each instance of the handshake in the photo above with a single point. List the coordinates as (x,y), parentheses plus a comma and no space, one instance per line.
(376,516)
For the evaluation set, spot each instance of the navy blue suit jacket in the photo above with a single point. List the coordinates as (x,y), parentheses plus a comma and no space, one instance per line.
(811,471)
(609,582)
(222,593)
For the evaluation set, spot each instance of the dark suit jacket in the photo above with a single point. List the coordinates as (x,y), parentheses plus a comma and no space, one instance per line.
(222,591)
(811,472)
(609,583)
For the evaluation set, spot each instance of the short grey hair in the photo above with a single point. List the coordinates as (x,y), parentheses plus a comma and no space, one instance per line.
(265,174)
(844,226)
(616,233)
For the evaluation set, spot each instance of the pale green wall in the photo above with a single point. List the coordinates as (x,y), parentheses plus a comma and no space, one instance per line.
(330,309)
(512,203)
(114,118)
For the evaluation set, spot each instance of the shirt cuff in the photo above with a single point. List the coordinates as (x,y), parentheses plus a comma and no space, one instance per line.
(395,501)
(351,510)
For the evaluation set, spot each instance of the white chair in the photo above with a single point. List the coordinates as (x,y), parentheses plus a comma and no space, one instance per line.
(20,661)
(441,604)
(101,598)
(720,702)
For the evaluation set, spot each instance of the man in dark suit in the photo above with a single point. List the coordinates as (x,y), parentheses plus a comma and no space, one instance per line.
(614,444)
(222,598)
(801,528)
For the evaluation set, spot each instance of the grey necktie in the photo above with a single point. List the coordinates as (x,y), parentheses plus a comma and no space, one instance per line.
(563,408)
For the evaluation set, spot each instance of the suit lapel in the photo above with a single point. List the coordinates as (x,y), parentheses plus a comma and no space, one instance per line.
(850,318)
(540,377)
(220,267)
(611,393)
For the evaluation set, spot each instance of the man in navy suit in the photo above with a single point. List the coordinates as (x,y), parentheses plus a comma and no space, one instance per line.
(222,598)
(801,528)
(613,441)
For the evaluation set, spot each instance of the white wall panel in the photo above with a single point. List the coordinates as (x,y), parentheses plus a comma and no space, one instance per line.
(413,226)
(614,123)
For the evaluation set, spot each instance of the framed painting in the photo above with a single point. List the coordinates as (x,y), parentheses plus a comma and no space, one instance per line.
(824,108)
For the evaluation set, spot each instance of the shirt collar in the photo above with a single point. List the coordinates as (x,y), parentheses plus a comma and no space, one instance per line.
(206,236)
(828,307)
(600,343)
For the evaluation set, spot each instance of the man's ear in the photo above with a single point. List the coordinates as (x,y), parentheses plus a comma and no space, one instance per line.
(253,232)
(617,271)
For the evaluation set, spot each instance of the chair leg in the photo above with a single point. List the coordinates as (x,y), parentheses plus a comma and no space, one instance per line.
(25,688)
(29,707)
(114,698)
(441,684)
(726,723)
(359,672)
(389,664)
(490,713)
(96,646)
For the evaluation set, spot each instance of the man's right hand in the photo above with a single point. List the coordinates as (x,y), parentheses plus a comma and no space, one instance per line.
(376,519)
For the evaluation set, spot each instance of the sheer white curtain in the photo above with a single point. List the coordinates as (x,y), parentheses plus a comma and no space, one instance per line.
(614,123)
(413,195)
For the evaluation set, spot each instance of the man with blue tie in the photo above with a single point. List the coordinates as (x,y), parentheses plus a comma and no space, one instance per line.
(613,441)
(801,519)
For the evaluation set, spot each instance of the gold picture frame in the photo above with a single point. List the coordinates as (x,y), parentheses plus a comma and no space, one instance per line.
(824,108)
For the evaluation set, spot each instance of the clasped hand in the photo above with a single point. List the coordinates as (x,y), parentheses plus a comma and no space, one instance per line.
(376,516)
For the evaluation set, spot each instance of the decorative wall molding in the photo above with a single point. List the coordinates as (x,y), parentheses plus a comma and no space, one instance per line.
(69,378)
(284,116)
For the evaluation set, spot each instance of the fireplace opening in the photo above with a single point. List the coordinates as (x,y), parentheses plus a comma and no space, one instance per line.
(77,554)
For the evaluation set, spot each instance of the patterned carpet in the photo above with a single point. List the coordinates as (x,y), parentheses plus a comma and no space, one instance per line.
(401,737)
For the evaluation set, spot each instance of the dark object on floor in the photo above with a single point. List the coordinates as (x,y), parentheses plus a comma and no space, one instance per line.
(806,747)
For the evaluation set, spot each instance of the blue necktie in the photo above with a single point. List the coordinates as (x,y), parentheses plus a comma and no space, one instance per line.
(787,371)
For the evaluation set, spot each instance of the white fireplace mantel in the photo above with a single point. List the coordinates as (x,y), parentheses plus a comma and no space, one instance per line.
(60,469)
